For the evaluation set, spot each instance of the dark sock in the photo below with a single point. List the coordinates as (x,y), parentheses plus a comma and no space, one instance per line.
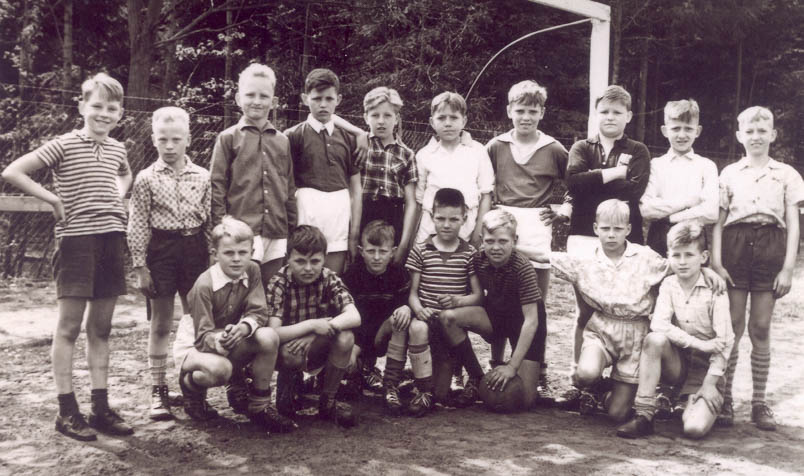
(332,379)
(393,372)
(424,384)
(67,404)
(261,393)
(100,399)
(466,356)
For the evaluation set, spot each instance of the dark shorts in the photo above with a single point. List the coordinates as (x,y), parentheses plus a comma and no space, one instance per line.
(367,332)
(391,210)
(694,366)
(176,261)
(504,326)
(90,266)
(753,255)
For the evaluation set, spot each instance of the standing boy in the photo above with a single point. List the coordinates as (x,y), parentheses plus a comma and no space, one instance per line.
(682,184)
(90,177)
(754,249)
(168,236)
(325,166)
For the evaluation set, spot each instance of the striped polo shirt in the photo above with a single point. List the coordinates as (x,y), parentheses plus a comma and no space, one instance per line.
(442,272)
(84,178)
(510,286)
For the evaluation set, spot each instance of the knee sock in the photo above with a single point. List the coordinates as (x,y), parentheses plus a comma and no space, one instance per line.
(67,404)
(760,364)
(730,368)
(258,399)
(100,399)
(422,363)
(158,367)
(332,379)
(394,364)
(645,405)
(466,356)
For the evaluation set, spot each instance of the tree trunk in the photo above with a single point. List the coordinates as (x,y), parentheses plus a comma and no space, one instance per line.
(305,55)
(169,79)
(616,36)
(67,51)
(738,93)
(642,99)
(227,73)
(651,135)
(142,23)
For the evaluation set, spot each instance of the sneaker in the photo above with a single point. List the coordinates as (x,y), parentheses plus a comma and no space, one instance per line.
(108,421)
(726,416)
(468,396)
(544,392)
(372,379)
(587,403)
(195,403)
(762,417)
(638,426)
(75,427)
(680,406)
(332,410)
(237,396)
(568,399)
(286,386)
(421,404)
(457,382)
(270,419)
(160,403)
(393,406)
(664,407)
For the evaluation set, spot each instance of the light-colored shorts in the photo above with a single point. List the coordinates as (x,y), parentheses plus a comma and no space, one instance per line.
(185,340)
(621,342)
(582,245)
(327,211)
(427,227)
(267,249)
(534,238)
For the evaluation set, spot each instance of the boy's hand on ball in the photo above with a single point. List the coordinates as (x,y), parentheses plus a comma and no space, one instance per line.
(500,376)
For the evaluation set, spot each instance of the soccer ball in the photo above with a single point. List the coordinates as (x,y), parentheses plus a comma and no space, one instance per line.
(510,400)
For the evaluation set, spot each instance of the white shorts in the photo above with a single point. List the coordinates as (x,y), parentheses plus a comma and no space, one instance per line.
(427,227)
(267,249)
(327,211)
(534,238)
(582,245)
(185,340)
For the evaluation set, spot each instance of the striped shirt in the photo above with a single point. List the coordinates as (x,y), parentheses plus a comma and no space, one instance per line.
(388,169)
(85,179)
(442,272)
(510,286)
(293,302)
(167,200)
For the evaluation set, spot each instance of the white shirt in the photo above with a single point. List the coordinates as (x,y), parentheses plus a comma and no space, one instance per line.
(466,168)
(318,125)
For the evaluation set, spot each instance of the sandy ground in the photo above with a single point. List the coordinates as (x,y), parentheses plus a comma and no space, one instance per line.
(471,441)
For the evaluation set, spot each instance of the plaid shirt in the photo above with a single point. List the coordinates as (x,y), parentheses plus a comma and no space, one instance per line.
(388,169)
(293,302)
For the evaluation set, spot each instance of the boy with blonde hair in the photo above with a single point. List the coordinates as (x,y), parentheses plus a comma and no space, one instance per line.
(682,184)
(168,237)
(754,248)
(90,177)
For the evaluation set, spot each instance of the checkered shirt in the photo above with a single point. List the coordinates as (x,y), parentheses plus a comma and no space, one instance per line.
(388,169)
(294,302)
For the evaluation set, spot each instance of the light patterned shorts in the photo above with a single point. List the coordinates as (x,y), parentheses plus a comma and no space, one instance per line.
(267,249)
(621,342)
(185,340)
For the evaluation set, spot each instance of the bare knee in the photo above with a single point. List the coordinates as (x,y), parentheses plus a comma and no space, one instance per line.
(68,331)
(758,332)
(619,412)
(99,330)
(218,372)
(586,375)
(160,327)
(447,318)
(267,339)
(654,343)
(344,341)
(695,429)
(418,331)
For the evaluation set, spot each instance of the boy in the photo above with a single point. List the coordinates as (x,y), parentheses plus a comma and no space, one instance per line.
(447,162)
(168,236)
(690,342)
(682,184)
(314,314)
(513,307)
(389,174)
(326,170)
(90,177)
(754,248)
(255,148)
(443,279)
(226,331)
(380,290)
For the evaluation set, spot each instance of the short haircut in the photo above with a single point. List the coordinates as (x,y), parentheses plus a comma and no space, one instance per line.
(320,79)
(449,197)
(615,93)
(380,95)
(685,233)
(686,110)
(257,70)
(499,219)
(614,211)
(528,93)
(233,228)
(378,233)
(455,102)
(307,239)
(108,87)
(754,114)
(171,115)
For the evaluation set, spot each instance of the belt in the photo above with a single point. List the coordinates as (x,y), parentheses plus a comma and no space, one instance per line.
(184,232)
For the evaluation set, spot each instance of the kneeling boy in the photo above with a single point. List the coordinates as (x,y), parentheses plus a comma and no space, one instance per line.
(226,330)
(690,342)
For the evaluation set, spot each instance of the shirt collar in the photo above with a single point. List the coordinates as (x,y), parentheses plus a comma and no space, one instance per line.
(542,141)
(219,278)
(244,122)
(318,125)
(745,162)
(395,142)
(85,137)
(630,251)
(689,155)
(434,144)
(462,245)
(161,166)
(595,139)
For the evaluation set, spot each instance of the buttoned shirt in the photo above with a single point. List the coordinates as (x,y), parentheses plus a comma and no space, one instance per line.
(752,195)
(619,290)
(441,272)
(293,302)
(252,179)
(466,168)
(388,169)
(700,314)
(678,180)
(324,155)
(165,199)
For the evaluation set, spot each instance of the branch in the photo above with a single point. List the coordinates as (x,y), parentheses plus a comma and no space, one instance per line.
(189,29)
(178,37)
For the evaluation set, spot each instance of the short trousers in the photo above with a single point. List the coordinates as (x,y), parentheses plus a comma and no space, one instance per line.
(327,211)
(694,367)
(427,227)
(510,328)
(315,360)
(582,245)
(367,332)
(621,342)
(176,261)
(184,342)
(268,249)
(753,254)
(90,266)
(534,238)
(391,210)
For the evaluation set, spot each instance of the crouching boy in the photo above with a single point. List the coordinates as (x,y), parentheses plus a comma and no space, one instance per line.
(690,342)
(226,331)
